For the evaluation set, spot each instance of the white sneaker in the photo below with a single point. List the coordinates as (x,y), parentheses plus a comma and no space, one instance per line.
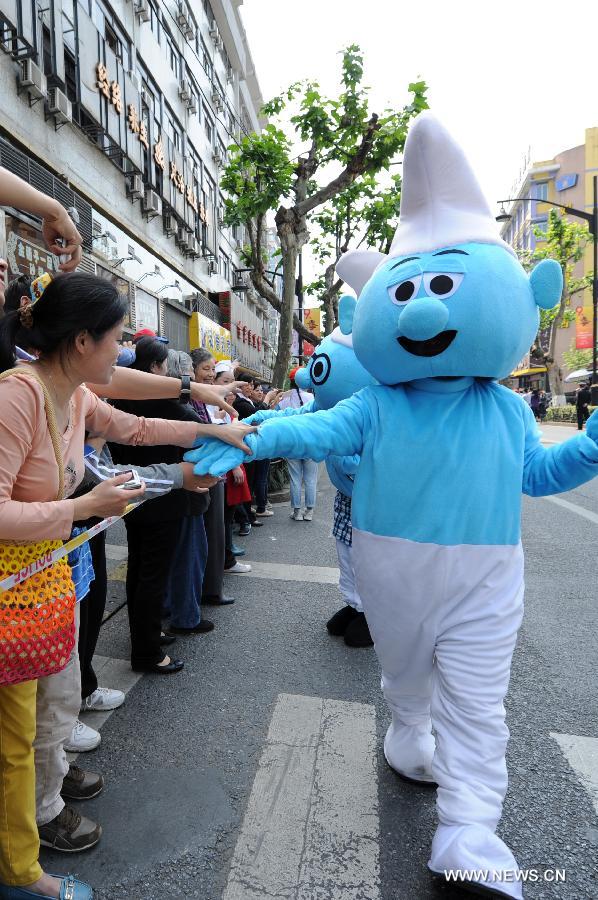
(296,515)
(83,738)
(266,512)
(238,569)
(103,699)
(308,514)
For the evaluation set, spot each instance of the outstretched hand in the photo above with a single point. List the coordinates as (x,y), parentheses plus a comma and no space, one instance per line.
(214,394)
(216,458)
(234,434)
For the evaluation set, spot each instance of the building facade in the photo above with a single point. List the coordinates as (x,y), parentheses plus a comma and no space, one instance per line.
(124,111)
(568,180)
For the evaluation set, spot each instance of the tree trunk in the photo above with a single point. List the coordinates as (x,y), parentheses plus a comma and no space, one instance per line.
(285,337)
(555,380)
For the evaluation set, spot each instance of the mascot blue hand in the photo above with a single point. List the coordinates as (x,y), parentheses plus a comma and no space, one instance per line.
(592,427)
(258,417)
(216,458)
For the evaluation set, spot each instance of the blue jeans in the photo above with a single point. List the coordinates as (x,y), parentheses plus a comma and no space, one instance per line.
(303,471)
(260,483)
(183,594)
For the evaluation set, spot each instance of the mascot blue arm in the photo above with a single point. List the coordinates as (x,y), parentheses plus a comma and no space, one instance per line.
(336,432)
(552,470)
(262,415)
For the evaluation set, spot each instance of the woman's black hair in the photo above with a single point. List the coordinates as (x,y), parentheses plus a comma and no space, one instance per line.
(149,350)
(17,288)
(71,304)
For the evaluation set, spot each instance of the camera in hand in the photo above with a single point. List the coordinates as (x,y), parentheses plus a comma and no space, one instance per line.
(133,483)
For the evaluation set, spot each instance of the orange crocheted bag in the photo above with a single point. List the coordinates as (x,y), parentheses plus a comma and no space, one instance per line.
(37,616)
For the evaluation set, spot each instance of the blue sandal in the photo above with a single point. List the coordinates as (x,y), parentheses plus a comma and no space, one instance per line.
(70,889)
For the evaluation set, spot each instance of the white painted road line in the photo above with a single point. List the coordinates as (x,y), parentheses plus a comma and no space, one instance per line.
(116,551)
(287,572)
(311,826)
(573,507)
(582,756)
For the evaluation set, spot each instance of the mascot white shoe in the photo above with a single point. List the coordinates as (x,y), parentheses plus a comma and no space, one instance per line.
(446,452)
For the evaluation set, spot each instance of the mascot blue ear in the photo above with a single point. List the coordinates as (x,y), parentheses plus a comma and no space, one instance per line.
(346,311)
(546,281)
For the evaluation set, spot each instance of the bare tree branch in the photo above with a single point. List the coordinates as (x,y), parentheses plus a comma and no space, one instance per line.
(352,170)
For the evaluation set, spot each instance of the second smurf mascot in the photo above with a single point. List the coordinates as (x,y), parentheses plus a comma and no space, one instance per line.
(446,452)
(333,374)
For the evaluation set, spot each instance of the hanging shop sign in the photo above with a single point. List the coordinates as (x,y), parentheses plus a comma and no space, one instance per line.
(203,332)
(147,313)
(584,319)
(25,250)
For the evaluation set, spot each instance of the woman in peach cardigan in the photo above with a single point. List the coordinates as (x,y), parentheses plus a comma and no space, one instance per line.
(75,327)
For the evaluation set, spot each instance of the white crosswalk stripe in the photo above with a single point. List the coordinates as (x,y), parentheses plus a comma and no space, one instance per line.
(582,755)
(311,826)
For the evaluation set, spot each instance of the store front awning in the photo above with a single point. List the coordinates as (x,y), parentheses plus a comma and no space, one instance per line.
(536,370)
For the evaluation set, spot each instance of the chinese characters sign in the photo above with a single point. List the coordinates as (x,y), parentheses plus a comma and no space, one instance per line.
(203,332)
(584,318)
(25,251)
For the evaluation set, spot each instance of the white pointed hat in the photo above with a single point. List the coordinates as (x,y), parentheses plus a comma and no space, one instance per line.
(442,203)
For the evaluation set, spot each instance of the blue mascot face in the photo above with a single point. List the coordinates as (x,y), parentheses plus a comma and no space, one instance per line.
(469,309)
(333,374)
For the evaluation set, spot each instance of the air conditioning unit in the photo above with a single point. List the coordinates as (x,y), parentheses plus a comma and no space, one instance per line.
(146,97)
(189,31)
(217,101)
(142,10)
(183,15)
(170,225)
(192,106)
(214,33)
(182,236)
(184,90)
(221,221)
(230,74)
(32,79)
(135,186)
(194,248)
(217,157)
(136,79)
(212,266)
(152,204)
(59,105)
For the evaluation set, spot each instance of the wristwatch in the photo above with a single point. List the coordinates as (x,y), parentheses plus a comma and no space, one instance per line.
(185,394)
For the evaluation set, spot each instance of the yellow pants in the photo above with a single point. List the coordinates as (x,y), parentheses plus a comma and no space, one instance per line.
(19,840)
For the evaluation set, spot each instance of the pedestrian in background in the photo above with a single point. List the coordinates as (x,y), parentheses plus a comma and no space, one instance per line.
(303,472)
(583,398)
(213,582)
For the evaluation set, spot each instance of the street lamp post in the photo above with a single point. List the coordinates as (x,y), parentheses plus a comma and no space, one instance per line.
(592,219)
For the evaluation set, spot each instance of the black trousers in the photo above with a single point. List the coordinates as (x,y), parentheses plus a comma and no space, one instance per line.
(151,550)
(583,414)
(92,612)
(214,523)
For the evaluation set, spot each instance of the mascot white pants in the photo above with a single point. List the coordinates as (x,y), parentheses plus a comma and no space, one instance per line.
(346,581)
(444,621)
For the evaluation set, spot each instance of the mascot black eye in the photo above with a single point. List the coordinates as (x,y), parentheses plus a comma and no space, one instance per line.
(320,368)
(442,284)
(405,291)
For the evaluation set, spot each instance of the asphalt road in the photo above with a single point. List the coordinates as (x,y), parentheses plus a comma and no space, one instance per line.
(183,756)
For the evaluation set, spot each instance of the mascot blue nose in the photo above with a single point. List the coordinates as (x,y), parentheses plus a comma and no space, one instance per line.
(423,319)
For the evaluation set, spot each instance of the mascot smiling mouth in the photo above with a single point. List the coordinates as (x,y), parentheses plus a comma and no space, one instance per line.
(431,347)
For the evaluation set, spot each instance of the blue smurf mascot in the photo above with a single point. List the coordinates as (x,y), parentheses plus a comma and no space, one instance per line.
(446,452)
(333,374)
